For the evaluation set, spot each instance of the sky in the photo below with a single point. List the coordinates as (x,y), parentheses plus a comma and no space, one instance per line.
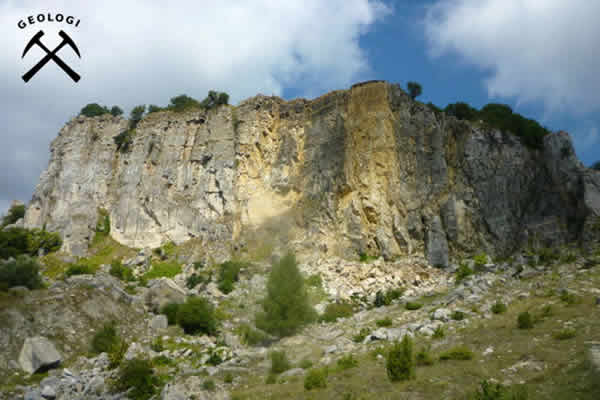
(538,56)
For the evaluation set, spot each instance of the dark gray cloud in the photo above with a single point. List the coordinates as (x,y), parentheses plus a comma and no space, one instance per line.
(142,52)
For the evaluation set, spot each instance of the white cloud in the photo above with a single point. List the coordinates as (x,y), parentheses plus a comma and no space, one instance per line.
(536,50)
(136,52)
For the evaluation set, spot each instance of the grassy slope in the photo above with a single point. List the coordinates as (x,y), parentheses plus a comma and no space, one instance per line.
(553,369)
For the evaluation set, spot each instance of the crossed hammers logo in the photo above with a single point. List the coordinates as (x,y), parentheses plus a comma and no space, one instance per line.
(51,55)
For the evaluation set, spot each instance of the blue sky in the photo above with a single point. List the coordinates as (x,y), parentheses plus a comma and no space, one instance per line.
(528,54)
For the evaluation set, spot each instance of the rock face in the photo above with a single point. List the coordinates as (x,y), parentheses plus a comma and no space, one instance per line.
(359,170)
(38,353)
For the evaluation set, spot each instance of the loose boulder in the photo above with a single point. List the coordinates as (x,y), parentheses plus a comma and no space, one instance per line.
(38,353)
(163,291)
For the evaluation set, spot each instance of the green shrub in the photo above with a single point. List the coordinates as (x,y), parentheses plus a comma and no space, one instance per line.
(568,297)
(198,265)
(121,272)
(117,353)
(286,307)
(93,110)
(228,378)
(463,272)
(568,257)
(461,110)
(360,336)
(152,108)
(165,269)
(434,108)
(15,213)
(23,271)
(500,116)
(13,242)
(385,299)
(136,115)
(379,299)
(412,305)
(208,385)
(115,111)
(271,379)
(496,391)
(387,321)
(347,362)
(124,140)
(457,353)
(480,259)
(379,351)
(229,273)
(106,339)
(305,363)
(400,364)
(20,241)
(524,320)
(78,269)
(102,226)
(279,362)
(170,310)
(157,345)
(365,258)
(414,89)
(316,378)
(548,255)
(439,332)
(161,361)
(251,336)
(499,308)
(393,294)
(40,239)
(194,280)
(314,281)
(458,315)
(137,375)
(333,311)
(564,334)
(423,357)
(547,311)
(197,315)
(214,359)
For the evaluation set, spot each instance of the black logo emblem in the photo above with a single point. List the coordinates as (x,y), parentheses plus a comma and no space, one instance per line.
(51,55)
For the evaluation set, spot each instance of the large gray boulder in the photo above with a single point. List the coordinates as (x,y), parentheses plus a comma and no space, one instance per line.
(162,291)
(38,353)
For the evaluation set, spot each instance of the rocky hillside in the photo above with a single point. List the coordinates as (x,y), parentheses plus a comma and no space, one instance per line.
(467,328)
(365,170)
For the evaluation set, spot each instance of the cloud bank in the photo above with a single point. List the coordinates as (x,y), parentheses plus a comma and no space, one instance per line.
(534,50)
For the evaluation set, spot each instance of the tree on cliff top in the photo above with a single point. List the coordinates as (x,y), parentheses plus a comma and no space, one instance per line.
(93,110)
(215,99)
(414,89)
(182,102)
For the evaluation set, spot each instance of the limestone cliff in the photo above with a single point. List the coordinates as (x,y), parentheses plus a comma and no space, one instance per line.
(359,170)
